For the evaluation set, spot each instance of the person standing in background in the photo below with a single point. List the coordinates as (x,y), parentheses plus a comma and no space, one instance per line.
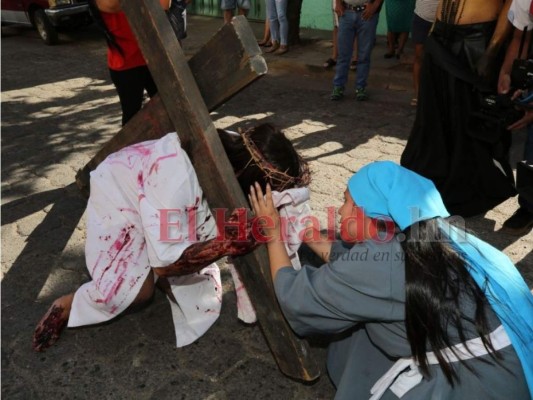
(228,8)
(357,18)
(177,16)
(265,42)
(127,66)
(399,15)
(424,17)
(520,15)
(332,61)
(466,156)
(279,26)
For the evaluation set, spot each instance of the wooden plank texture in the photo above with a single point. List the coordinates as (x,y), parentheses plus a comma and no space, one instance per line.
(190,117)
(237,63)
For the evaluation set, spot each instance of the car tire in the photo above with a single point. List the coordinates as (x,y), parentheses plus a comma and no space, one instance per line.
(44,27)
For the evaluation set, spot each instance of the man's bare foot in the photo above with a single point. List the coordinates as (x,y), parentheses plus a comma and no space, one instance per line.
(50,326)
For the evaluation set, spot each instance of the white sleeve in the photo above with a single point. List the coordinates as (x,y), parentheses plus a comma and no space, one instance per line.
(519,14)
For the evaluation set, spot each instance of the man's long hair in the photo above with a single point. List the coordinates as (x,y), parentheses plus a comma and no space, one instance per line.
(274,148)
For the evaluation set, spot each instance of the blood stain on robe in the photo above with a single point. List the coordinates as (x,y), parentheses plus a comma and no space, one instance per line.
(155,166)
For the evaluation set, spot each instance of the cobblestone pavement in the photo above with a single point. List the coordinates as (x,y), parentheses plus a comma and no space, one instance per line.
(59,107)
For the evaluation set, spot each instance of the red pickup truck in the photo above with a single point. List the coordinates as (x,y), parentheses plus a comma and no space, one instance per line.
(46,15)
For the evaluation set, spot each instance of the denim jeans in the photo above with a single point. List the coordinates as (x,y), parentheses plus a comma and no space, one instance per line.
(528,157)
(352,24)
(279,25)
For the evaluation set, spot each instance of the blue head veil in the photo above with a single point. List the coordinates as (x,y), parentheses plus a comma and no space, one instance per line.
(385,189)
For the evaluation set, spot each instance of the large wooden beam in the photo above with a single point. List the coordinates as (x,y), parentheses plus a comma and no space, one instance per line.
(226,64)
(190,117)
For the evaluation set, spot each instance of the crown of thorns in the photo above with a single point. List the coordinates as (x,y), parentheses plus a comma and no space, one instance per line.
(280,180)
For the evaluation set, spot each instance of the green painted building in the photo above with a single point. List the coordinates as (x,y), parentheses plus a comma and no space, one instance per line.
(316,14)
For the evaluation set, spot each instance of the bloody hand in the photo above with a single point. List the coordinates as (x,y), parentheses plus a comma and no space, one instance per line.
(235,239)
(238,234)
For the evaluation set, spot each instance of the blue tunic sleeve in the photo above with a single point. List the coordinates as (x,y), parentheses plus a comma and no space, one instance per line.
(365,283)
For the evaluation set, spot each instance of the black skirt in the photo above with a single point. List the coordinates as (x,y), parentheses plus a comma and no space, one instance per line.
(463,152)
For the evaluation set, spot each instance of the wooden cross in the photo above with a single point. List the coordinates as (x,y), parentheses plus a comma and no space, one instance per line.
(226,64)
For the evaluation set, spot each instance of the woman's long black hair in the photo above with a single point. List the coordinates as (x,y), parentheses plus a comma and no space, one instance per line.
(275,148)
(437,281)
(99,21)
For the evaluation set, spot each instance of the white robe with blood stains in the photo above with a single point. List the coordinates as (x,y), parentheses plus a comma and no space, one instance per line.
(128,232)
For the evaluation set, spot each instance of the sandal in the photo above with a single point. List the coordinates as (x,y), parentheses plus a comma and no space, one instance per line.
(282,50)
(264,43)
(414,101)
(273,48)
(330,62)
(353,65)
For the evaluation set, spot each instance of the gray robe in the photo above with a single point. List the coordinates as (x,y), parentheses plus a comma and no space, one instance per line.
(360,295)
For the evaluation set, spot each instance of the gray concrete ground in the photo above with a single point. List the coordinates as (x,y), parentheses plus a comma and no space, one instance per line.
(59,107)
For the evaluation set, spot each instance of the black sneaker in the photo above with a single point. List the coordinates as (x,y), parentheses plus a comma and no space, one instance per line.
(520,223)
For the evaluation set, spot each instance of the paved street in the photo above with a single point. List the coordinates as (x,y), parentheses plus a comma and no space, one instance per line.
(59,107)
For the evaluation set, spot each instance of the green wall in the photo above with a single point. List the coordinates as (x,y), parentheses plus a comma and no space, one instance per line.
(316,14)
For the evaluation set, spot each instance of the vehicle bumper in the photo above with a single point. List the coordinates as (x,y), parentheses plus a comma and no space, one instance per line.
(58,15)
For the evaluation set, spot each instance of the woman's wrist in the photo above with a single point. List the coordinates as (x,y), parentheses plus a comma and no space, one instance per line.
(272,234)
(277,254)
